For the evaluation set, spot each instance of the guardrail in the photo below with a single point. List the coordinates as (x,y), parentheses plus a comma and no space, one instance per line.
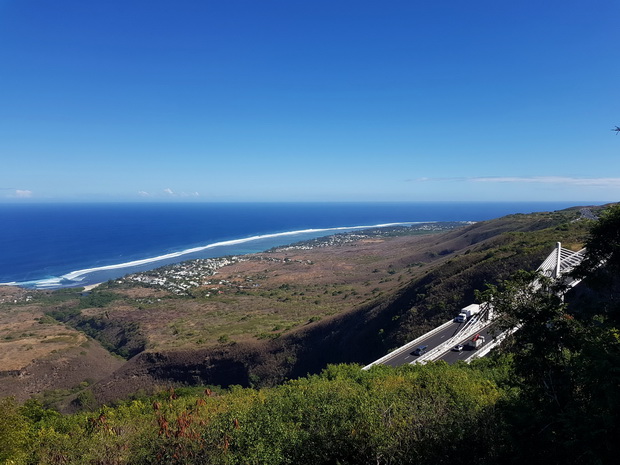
(409,345)
(553,262)
(484,350)
(472,326)
(445,346)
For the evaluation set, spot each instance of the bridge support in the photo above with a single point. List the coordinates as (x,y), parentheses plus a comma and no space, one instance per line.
(558,261)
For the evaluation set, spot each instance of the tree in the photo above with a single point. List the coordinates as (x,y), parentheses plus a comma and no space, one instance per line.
(547,335)
(601,268)
(566,355)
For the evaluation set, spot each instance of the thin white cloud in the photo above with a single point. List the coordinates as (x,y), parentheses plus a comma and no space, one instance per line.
(425,179)
(557,180)
(172,193)
(593,182)
(22,193)
(144,194)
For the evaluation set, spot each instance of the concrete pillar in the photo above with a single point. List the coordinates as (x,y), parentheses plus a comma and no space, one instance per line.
(558,260)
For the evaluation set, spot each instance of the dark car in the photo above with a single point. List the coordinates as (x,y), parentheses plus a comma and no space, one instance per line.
(420,350)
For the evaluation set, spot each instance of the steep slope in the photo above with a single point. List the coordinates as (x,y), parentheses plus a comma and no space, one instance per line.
(457,263)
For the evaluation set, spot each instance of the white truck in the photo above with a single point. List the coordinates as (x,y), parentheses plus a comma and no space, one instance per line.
(467,312)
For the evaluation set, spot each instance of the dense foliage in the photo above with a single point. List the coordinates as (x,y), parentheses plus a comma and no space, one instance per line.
(567,355)
(344,415)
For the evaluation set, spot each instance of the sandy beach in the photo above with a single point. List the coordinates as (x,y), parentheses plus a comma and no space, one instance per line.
(90,287)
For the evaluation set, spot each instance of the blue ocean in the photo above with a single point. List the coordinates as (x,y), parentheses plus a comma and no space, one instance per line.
(61,245)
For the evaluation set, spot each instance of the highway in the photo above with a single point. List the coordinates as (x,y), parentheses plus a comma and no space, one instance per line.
(452,357)
(558,264)
(431,341)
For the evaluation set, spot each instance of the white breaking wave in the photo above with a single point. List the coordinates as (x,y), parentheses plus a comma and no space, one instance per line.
(76,274)
(79,275)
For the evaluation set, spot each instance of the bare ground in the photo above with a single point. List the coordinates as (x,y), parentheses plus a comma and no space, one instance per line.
(272,293)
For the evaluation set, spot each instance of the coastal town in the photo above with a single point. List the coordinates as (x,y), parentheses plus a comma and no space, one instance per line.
(183,278)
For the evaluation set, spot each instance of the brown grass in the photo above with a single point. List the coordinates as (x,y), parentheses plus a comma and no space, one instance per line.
(263,299)
(26,334)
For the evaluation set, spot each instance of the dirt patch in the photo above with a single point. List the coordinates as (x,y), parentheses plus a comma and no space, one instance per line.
(26,334)
(143,293)
(61,370)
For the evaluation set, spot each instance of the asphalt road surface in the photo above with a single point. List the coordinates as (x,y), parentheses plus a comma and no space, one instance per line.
(432,342)
(453,357)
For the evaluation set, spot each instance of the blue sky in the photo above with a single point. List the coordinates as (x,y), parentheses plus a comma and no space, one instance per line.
(290,100)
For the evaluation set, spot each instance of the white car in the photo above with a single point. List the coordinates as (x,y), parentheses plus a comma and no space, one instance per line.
(457,348)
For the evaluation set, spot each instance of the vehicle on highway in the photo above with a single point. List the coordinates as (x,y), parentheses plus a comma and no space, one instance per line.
(457,348)
(476,342)
(467,313)
(420,350)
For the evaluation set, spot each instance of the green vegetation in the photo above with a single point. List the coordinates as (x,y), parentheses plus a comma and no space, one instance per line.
(98,299)
(15,437)
(344,415)
(566,356)
(119,337)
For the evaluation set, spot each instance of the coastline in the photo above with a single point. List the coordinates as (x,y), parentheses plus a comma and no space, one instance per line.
(183,277)
(73,275)
(76,245)
(221,253)
(96,275)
